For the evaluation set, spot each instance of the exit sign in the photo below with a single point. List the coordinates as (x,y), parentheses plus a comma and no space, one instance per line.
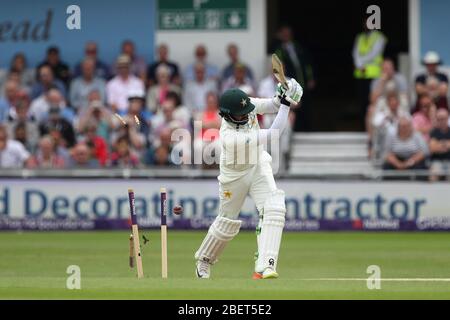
(202,14)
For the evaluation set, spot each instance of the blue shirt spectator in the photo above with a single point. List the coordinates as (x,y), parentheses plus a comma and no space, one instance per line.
(46,80)
(211,71)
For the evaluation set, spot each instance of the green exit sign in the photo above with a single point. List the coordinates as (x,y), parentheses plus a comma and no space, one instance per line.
(202,14)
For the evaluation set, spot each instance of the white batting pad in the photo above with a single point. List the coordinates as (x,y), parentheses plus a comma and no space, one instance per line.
(271,231)
(219,234)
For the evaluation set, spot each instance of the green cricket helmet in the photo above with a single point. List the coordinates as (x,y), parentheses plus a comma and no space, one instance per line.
(235,102)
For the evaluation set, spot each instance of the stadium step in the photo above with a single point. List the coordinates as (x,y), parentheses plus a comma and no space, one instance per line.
(333,154)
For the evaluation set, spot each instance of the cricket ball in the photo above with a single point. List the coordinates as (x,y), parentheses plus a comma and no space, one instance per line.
(177,210)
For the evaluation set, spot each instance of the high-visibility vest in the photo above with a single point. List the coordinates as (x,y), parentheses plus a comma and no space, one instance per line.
(365,45)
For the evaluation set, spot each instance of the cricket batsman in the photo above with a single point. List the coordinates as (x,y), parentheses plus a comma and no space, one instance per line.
(241,138)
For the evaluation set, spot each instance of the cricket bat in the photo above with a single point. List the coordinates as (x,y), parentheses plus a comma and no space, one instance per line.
(163,233)
(135,233)
(278,71)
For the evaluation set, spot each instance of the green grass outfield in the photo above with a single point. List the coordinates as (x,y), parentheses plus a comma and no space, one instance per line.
(33,266)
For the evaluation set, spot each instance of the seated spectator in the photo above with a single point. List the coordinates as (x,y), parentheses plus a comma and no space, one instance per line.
(45,81)
(8,100)
(233,54)
(195,91)
(100,115)
(433,88)
(56,120)
(162,157)
(201,55)
(157,94)
(425,118)
(166,119)
(124,82)
(384,121)
(60,144)
(138,66)
(102,70)
(60,69)
(137,112)
(181,112)
(81,86)
(129,128)
(390,80)
(240,80)
(432,62)
(81,158)
(53,98)
(160,153)
(25,76)
(12,153)
(405,148)
(97,145)
(122,156)
(21,125)
(207,143)
(46,157)
(440,147)
(163,55)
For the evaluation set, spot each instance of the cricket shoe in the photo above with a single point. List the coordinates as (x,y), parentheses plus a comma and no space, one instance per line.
(268,273)
(203,270)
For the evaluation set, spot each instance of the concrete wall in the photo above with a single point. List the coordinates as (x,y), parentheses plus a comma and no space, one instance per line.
(252,42)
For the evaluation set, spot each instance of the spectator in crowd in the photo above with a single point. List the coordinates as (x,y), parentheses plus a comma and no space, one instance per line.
(384,121)
(138,66)
(201,56)
(98,114)
(181,113)
(157,94)
(12,153)
(45,81)
(81,86)
(137,112)
(431,76)
(233,54)
(19,68)
(102,70)
(195,91)
(56,120)
(97,145)
(60,144)
(53,98)
(405,148)
(388,83)
(129,129)
(425,118)
(21,120)
(46,157)
(298,65)
(60,69)
(81,157)
(163,54)
(159,154)
(440,147)
(166,119)
(207,143)
(124,82)
(8,101)
(123,156)
(390,80)
(240,80)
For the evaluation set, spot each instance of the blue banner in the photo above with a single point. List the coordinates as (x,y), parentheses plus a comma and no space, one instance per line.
(32,26)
